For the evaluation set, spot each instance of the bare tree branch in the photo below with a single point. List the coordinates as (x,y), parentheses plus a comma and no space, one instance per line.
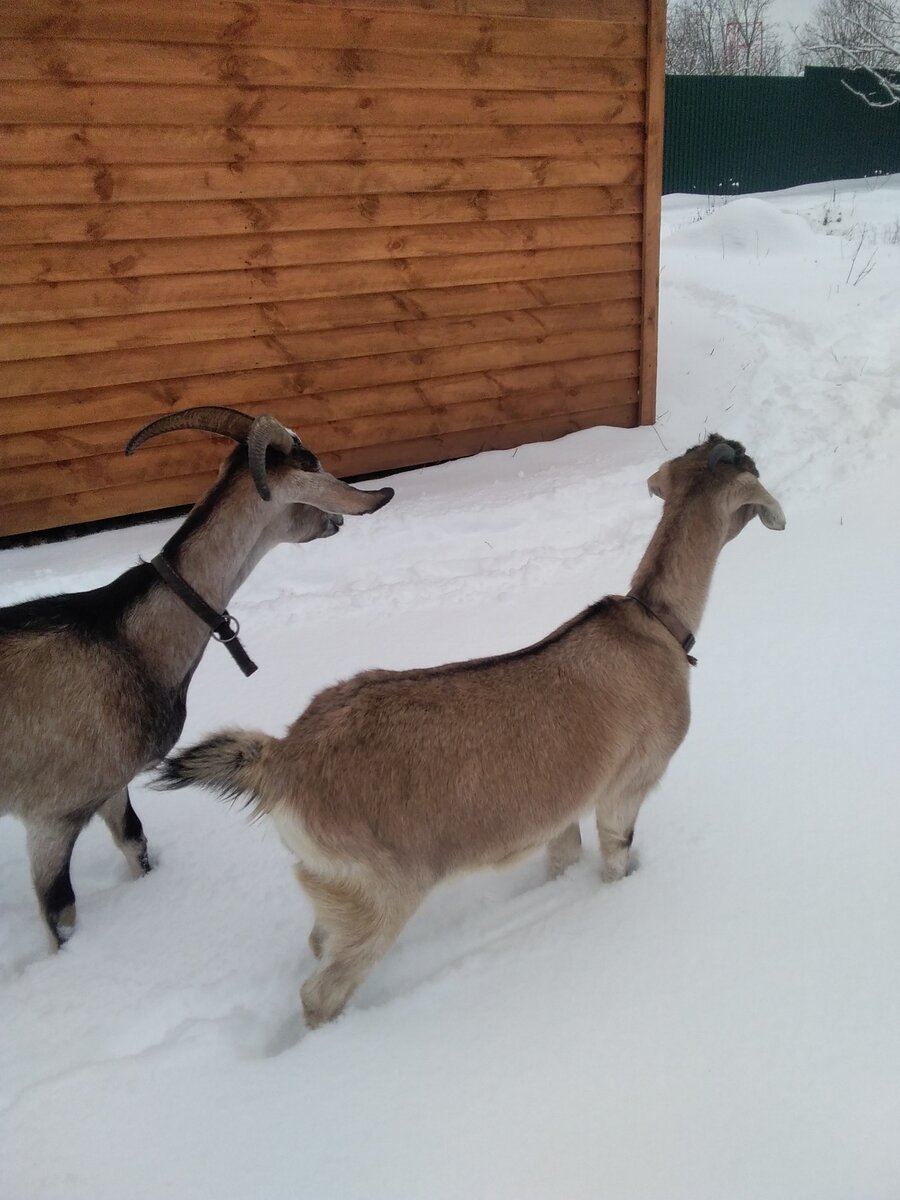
(862,34)
(722,37)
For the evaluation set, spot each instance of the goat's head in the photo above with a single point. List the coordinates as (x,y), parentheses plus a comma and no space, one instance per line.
(721,474)
(306,502)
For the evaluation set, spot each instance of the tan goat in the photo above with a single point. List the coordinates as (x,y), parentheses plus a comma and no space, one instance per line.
(394,780)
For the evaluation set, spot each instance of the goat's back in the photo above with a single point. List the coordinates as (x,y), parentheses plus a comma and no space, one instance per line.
(459,766)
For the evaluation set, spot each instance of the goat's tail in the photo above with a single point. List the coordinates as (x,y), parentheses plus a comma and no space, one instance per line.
(229,763)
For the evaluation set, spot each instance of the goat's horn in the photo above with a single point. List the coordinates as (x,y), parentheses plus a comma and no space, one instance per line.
(264,432)
(721,453)
(226,421)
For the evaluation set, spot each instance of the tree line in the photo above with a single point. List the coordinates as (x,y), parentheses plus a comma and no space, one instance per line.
(739,37)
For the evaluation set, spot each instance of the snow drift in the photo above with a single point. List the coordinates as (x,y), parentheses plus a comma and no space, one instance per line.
(721,1023)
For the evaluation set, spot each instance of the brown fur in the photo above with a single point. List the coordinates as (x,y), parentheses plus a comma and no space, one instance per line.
(392,781)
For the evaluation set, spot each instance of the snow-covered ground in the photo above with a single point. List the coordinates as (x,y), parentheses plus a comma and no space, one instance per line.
(723,1023)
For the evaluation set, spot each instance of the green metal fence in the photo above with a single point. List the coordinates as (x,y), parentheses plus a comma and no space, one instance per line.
(731,134)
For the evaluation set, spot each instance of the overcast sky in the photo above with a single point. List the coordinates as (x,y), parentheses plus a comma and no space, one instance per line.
(792,12)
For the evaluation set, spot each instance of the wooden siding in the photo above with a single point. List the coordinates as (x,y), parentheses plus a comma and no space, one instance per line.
(412,229)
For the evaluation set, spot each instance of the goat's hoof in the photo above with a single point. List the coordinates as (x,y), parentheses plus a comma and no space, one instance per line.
(316,1009)
(139,861)
(62,926)
(312,1014)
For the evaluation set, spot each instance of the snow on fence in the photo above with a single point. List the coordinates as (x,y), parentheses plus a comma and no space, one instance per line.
(412,229)
(759,133)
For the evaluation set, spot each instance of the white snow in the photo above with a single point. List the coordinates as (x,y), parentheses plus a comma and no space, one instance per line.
(724,1022)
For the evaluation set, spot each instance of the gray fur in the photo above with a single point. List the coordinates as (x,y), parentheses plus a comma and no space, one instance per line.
(93,685)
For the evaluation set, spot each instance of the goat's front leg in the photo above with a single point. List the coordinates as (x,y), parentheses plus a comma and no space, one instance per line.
(128,833)
(563,851)
(615,826)
(50,845)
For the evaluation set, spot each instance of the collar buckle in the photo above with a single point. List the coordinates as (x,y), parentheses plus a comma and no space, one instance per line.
(224,627)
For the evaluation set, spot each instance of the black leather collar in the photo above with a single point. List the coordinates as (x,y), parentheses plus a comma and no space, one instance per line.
(223,625)
(677,628)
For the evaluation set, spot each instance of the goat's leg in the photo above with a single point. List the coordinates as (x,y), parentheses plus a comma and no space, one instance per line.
(50,845)
(615,826)
(563,850)
(128,833)
(318,932)
(360,927)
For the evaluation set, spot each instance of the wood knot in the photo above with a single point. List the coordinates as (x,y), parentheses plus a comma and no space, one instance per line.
(479,201)
(122,266)
(242,24)
(232,69)
(257,216)
(104,184)
(349,62)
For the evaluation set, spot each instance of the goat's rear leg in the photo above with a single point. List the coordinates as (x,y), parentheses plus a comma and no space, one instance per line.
(128,833)
(563,851)
(359,928)
(318,933)
(50,845)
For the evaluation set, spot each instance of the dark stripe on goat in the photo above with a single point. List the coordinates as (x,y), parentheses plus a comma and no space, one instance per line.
(599,608)
(97,613)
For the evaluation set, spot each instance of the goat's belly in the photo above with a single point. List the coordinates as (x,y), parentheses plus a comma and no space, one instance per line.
(516,856)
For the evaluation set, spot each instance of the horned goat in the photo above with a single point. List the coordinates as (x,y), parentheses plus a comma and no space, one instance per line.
(93,684)
(394,780)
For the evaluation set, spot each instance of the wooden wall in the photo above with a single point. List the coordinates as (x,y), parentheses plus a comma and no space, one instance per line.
(411,230)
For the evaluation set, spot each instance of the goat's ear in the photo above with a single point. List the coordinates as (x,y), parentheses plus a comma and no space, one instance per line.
(656,484)
(323,491)
(751,492)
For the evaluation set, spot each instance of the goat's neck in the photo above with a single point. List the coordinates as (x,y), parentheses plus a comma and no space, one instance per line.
(217,557)
(214,558)
(674,575)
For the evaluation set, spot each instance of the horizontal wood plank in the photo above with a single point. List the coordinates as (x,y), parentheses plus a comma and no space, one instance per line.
(58,145)
(238,388)
(150,330)
(367,459)
(412,229)
(81,184)
(302,412)
(582,10)
(64,102)
(271,66)
(97,298)
(237,354)
(32,224)
(160,462)
(171,256)
(277,23)
(155,495)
